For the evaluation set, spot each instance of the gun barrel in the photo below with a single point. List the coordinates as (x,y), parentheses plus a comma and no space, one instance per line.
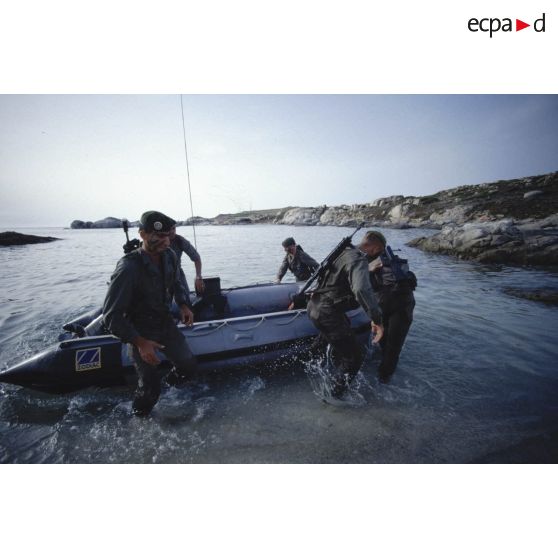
(395,264)
(329,259)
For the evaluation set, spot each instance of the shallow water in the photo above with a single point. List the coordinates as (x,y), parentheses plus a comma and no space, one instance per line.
(477,380)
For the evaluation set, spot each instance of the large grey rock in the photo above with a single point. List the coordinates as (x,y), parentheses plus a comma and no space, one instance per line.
(302,216)
(532,194)
(390,200)
(12,238)
(77,224)
(334,216)
(547,296)
(106,223)
(400,214)
(502,241)
(457,214)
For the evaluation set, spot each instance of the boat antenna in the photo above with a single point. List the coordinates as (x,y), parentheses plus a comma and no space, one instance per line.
(188,172)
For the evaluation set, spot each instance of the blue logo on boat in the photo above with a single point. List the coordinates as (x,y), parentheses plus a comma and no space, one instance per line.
(88,359)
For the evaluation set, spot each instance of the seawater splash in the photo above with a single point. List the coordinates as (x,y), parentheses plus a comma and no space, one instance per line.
(111,433)
(182,404)
(320,372)
(250,386)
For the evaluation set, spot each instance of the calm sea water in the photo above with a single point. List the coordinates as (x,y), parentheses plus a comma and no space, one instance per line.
(477,380)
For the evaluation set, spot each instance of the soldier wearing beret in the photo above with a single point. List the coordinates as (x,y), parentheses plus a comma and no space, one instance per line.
(297,261)
(137,309)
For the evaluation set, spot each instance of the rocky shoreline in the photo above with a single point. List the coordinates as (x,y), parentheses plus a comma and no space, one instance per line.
(508,241)
(508,221)
(532,198)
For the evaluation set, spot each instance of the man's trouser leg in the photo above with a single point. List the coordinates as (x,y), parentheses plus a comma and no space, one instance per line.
(179,353)
(397,326)
(176,349)
(149,385)
(347,354)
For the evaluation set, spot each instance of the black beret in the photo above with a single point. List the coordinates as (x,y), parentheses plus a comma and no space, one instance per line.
(288,242)
(155,221)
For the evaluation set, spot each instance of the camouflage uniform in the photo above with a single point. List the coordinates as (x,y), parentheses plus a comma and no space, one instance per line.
(345,281)
(138,303)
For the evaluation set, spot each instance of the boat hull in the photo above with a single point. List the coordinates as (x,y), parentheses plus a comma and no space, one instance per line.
(231,342)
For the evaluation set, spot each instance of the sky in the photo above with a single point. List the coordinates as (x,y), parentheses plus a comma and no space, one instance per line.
(86,157)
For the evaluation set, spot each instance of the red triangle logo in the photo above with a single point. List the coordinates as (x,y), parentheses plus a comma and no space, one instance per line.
(519,25)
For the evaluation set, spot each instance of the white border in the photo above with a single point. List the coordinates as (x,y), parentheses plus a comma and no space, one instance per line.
(278,511)
(274,47)
(256,46)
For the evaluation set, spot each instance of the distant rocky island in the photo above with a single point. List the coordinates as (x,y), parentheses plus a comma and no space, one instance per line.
(508,221)
(11,238)
(106,223)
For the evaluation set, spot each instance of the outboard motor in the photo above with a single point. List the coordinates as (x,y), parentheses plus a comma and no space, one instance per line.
(77,327)
(211,304)
(96,327)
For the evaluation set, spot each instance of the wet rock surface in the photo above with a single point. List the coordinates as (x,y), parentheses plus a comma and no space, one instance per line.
(11,238)
(547,296)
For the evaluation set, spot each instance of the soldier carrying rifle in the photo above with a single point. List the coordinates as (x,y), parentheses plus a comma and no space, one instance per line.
(342,283)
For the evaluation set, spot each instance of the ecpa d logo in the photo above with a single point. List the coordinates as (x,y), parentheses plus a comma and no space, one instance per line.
(493,25)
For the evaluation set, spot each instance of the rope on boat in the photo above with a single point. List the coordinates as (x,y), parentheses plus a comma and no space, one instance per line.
(298,314)
(209,332)
(188,172)
(262,320)
(212,330)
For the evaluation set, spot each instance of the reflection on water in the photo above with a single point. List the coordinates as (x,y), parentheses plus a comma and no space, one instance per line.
(477,380)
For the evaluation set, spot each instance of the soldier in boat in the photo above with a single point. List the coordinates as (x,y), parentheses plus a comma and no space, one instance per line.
(180,245)
(297,261)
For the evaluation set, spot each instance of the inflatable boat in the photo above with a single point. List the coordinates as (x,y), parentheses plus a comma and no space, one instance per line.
(236,327)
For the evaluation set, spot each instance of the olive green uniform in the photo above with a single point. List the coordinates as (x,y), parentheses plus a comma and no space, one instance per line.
(397,302)
(180,245)
(346,280)
(301,265)
(138,303)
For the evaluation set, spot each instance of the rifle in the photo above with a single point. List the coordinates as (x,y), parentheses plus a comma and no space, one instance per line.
(130,245)
(389,259)
(299,298)
(404,279)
